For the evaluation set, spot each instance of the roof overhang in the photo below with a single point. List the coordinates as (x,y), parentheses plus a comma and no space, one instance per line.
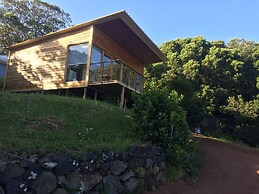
(122,29)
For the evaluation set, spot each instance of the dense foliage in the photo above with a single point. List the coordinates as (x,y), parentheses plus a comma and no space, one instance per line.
(21,20)
(216,80)
(159,118)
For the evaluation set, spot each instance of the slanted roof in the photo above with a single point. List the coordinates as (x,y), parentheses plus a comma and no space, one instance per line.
(122,29)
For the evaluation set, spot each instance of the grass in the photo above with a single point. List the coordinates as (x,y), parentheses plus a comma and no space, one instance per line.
(35,123)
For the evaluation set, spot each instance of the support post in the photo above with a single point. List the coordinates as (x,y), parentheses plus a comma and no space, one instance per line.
(122,97)
(85,90)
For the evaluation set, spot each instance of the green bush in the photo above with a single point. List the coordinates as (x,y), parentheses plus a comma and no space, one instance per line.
(159,118)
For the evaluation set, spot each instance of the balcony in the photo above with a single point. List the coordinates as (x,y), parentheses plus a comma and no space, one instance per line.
(115,72)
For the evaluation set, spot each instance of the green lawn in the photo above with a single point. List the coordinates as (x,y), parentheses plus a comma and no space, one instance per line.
(40,124)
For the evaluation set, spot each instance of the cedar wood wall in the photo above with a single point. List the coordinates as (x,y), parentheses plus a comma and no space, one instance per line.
(43,65)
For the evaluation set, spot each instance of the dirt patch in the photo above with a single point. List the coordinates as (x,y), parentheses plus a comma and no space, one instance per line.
(50,122)
(227,169)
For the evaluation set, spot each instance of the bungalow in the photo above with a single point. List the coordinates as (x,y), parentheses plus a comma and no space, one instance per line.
(101,57)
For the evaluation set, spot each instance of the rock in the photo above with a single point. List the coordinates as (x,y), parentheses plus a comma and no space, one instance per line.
(15,187)
(148,163)
(46,183)
(88,166)
(89,156)
(34,158)
(134,151)
(60,191)
(47,163)
(112,185)
(62,181)
(90,181)
(65,165)
(155,170)
(161,177)
(83,182)
(131,184)
(26,163)
(74,180)
(156,150)
(157,160)
(1,190)
(32,173)
(141,162)
(147,150)
(107,156)
(162,165)
(132,163)
(118,167)
(2,166)
(11,171)
(105,167)
(128,174)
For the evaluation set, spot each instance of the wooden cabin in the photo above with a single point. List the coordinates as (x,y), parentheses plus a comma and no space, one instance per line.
(104,56)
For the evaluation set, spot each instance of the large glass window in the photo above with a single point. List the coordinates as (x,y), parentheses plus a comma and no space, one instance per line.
(77,60)
(139,82)
(107,66)
(95,66)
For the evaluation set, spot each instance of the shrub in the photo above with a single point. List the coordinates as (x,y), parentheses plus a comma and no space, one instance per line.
(159,118)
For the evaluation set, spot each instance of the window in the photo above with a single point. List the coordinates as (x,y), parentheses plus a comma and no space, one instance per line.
(107,67)
(77,60)
(95,66)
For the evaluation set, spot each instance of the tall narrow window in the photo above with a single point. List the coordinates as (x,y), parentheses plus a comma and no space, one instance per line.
(77,61)
(95,66)
(107,67)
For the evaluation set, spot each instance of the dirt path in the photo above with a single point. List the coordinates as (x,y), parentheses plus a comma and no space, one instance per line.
(227,169)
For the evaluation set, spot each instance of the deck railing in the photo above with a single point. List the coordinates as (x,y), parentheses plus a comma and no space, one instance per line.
(115,70)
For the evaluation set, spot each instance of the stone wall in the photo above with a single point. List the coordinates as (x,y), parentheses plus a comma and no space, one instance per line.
(139,168)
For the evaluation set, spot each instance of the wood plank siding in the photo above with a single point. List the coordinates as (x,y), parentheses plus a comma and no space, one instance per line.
(116,51)
(42,65)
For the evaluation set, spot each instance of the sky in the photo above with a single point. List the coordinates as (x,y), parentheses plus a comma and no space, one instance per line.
(165,20)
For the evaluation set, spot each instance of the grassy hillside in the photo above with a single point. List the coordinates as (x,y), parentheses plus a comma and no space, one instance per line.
(43,123)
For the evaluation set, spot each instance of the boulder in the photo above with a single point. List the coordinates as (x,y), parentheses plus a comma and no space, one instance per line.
(46,183)
(83,182)
(47,163)
(74,180)
(65,165)
(62,181)
(32,173)
(148,163)
(11,171)
(2,166)
(2,190)
(15,187)
(26,163)
(105,167)
(60,191)
(90,181)
(112,185)
(131,184)
(89,156)
(118,167)
(128,174)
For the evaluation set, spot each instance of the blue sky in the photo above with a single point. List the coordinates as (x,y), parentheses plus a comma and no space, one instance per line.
(164,20)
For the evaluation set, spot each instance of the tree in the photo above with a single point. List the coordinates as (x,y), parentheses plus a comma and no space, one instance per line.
(21,20)
(211,76)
